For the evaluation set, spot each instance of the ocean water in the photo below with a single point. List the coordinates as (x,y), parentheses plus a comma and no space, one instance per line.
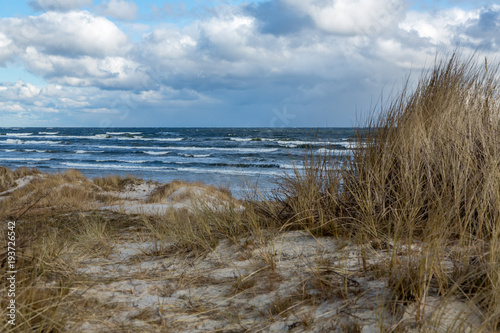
(230,157)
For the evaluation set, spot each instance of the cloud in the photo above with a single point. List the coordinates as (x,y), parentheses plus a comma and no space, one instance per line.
(10,107)
(278,18)
(348,17)
(51,98)
(70,34)
(108,72)
(167,43)
(59,5)
(6,49)
(443,27)
(118,9)
(484,29)
(73,48)
(19,91)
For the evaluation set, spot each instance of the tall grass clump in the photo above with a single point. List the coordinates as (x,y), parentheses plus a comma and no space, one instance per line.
(430,172)
(424,182)
(309,198)
(432,157)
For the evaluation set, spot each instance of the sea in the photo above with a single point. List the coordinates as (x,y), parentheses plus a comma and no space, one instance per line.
(236,158)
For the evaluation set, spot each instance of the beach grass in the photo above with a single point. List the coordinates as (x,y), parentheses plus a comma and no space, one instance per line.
(115,182)
(426,181)
(416,209)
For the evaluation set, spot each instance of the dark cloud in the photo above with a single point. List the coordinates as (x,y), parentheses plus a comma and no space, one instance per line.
(278,18)
(489,20)
(486,28)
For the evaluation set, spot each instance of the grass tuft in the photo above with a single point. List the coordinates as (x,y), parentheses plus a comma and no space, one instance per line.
(115,183)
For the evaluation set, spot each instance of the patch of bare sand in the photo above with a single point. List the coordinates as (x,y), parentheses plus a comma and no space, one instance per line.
(135,192)
(295,283)
(20,183)
(186,197)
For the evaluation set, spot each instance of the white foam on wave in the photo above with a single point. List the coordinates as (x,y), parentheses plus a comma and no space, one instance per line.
(124,138)
(288,145)
(121,147)
(123,133)
(351,145)
(241,139)
(9,150)
(52,135)
(112,166)
(12,142)
(88,151)
(194,155)
(42,142)
(140,138)
(79,137)
(230,171)
(165,139)
(35,150)
(24,159)
(295,143)
(291,166)
(238,150)
(283,141)
(156,152)
(19,134)
(28,142)
(126,161)
(136,136)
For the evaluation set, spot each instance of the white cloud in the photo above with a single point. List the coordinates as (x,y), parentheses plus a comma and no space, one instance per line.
(73,48)
(351,17)
(119,9)
(68,34)
(11,107)
(168,43)
(403,56)
(232,37)
(71,103)
(109,72)
(6,48)
(440,26)
(59,5)
(23,90)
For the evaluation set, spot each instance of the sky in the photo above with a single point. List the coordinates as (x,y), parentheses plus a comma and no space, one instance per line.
(220,63)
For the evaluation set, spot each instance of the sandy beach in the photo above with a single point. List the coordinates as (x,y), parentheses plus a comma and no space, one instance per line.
(122,271)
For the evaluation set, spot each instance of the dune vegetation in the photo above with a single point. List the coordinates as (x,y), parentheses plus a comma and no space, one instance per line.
(402,236)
